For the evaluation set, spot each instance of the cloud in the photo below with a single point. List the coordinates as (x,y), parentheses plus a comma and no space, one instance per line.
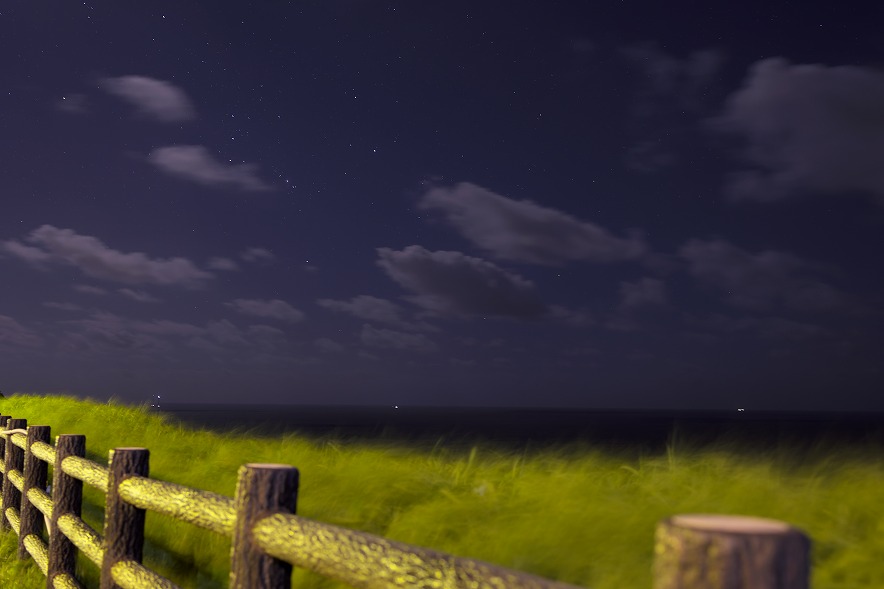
(328,346)
(62,306)
(273,309)
(195,163)
(523,231)
(374,309)
(88,289)
(257,254)
(15,334)
(138,295)
(223,264)
(672,95)
(765,327)
(635,298)
(685,79)
(95,259)
(266,335)
(759,281)
(808,129)
(102,330)
(396,340)
(650,155)
(33,255)
(449,282)
(154,98)
(72,103)
(574,317)
(647,291)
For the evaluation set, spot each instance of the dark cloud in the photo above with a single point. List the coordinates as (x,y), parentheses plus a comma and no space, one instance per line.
(447,282)
(102,331)
(778,328)
(573,317)
(154,98)
(223,264)
(650,155)
(376,310)
(257,254)
(89,289)
(13,334)
(273,309)
(62,306)
(759,281)
(672,96)
(647,291)
(636,298)
(138,295)
(685,79)
(195,163)
(33,255)
(396,340)
(808,129)
(328,346)
(266,336)
(366,307)
(72,103)
(94,258)
(523,231)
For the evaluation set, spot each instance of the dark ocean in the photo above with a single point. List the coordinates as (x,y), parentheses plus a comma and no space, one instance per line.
(534,426)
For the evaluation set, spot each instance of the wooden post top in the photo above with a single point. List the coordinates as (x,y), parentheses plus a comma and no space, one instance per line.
(734,524)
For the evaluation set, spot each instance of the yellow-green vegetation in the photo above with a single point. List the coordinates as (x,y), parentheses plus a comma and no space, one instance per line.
(576,513)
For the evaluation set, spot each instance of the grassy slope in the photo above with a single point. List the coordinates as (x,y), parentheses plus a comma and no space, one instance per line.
(577,514)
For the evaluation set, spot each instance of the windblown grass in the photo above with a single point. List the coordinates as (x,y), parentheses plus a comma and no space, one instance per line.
(577,513)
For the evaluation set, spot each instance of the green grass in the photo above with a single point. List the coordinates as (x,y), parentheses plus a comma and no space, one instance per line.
(577,513)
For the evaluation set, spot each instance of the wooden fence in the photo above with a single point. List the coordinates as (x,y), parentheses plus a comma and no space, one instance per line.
(268,539)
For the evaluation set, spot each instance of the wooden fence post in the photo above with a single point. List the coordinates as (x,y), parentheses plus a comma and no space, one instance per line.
(14,460)
(123,523)
(3,420)
(35,473)
(261,489)
(67,498)
(730,552)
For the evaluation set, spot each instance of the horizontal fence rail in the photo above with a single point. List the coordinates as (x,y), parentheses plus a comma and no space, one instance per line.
(695,551)
(268,539)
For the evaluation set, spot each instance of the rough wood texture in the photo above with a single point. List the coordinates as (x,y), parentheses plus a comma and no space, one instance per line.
(87,540)
(200,508)
(3,420)
(67,498)
(132,574)
(13,460)
(261,489)
(89,472)
(366,561)
(123,523)
(37,549)
(730,552)
(36,472)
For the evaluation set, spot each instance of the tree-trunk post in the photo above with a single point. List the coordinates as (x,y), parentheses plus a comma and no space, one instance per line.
(123,523)
(3,420)
(730,552)
(261,489)
(67,498)
(14,460)
(36,472)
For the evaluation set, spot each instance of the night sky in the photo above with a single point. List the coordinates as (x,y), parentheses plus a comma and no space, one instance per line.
(563,204)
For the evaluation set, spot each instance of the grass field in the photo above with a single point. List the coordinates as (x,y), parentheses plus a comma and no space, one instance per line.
(576,513)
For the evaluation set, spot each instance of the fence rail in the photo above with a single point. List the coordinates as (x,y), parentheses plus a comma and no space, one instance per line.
(268,539)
